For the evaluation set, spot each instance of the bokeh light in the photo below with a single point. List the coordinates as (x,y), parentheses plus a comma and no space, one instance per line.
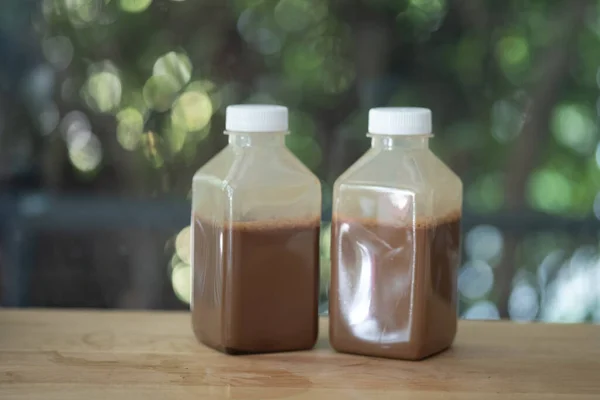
(484,242)
(482,310)
(180,279)
(546,269)
(192,111)
(523,304)
(550,191)
(584,255)
(421,17)
(85,150)
(103,91)
(596,205)
(82,12)
(181,266)
(267,41)
(325,243)
(475,279)
(177,66)
(260,31)
(134,98)
(573,296)
(431,8)
(190,119)
(211,89)
(38,85)
(300,60)
(134,6)
(182,245)
(546,273)
(325,263)
(513,56)
(507,120)
(513,50)
(160,91)
(130,126)
(73,122)
(58,50)
(574,126)
(296,15)
(48,9)
(175,137)
(174,261)
(322,63)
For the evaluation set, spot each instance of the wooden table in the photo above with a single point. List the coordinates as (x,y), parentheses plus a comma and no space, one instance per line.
(91,355)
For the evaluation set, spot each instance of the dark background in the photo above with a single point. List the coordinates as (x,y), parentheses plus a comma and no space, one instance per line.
(107,108)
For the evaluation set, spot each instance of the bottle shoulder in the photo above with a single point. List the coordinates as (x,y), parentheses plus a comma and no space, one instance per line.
(415,169)
(255,167)
(398,186)
(245,184)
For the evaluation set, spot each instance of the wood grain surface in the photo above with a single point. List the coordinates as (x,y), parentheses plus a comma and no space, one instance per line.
(93,355)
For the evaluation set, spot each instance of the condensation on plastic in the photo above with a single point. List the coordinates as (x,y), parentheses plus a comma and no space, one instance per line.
(255,240)
(395,252)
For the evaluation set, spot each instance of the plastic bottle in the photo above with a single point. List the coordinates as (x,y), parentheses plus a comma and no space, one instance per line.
(395,244)
(255,239)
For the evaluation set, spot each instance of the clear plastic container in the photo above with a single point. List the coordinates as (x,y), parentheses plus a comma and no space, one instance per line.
(395,245)
(256,219)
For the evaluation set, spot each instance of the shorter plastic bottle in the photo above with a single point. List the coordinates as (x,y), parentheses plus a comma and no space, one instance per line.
(395,244)
(255,240)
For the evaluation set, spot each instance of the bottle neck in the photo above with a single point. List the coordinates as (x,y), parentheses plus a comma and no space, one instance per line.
(395,142)
(257,139)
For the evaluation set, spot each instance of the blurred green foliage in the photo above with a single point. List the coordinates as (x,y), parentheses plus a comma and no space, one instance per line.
(500,76)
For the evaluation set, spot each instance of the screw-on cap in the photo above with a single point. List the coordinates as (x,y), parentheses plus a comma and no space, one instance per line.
(256,118)
(400,121)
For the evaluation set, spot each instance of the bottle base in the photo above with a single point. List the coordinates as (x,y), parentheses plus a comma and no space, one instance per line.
(405,354)
(232,351)
(238,351)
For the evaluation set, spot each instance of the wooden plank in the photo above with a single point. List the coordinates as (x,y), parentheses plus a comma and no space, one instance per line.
(130,355)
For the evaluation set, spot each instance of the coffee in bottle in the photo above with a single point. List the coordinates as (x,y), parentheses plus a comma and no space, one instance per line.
(395,244)
(255,239)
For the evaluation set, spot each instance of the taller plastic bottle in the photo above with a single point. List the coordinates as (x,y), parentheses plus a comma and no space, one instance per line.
(255,238)
(395,243)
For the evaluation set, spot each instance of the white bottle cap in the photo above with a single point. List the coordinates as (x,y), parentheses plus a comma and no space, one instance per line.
(400,121)
(256,118)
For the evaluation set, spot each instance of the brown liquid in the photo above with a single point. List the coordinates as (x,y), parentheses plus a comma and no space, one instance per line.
(256,285)
(393,288)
